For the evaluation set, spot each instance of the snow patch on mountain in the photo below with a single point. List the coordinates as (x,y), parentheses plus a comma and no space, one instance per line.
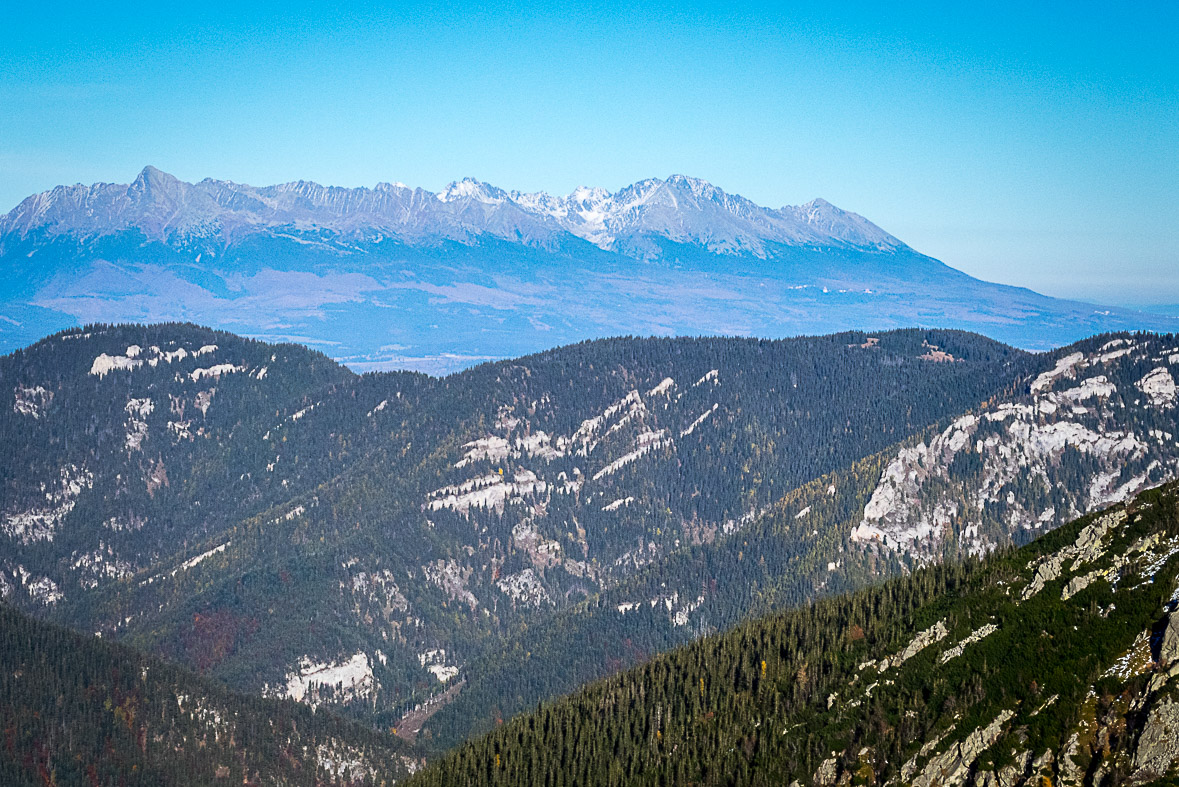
(316,682)
(1002,461)
(32,401)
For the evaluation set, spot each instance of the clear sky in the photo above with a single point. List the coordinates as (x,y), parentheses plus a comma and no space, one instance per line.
(1035,144)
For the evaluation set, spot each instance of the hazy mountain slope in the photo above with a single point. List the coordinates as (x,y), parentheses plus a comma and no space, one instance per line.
(394,277)
(78,710)
(1055,662)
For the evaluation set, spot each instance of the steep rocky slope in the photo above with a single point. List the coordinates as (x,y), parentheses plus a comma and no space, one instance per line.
(1057,663)
(1094,429)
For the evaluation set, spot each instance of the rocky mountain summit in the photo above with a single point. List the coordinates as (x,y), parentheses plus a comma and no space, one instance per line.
(394,277)
(680,209)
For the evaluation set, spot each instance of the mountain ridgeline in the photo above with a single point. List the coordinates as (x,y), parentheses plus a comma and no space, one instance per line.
(398,277)
(434,556)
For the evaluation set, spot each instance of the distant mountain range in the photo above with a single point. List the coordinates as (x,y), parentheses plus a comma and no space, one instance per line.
(681,209)
(398,277)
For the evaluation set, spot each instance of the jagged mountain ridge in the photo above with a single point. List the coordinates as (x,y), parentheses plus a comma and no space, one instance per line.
(399,278)
(681,209)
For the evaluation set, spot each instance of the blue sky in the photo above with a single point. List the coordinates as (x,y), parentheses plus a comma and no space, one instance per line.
(1036,144)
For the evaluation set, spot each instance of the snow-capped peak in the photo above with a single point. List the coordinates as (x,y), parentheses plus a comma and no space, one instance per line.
(588,195)
(636,220)
(469,188)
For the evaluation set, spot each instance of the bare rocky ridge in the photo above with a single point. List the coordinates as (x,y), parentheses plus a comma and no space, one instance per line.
(1099,745)
(996,474)
(680,209)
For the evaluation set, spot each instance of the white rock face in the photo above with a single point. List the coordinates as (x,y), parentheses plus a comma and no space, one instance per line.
(342,681)
(497,449)
(935,633)
(105,364)
(137,411)
(663,388)
(99,565)
(1159,385)
(983,631)
(202,557)
(452,578)
(1085,549)
(346,763)
(951,767)
(525,588)
(894,515)
(135,356)
(681,615)
(215,371)
(1064,368)
(435,663)
(619,503)
(704,417)
(1158,745)
(32,401)
(41,521)
(989,460)
(489,491)
(42,590)
(645,442)
(489,449)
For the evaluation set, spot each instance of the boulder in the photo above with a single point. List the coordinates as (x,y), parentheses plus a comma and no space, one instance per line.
(1158,745)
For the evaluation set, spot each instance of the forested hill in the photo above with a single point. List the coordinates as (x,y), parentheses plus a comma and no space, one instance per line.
(1057,663)
(77,710)
(262,515)
(1093,426)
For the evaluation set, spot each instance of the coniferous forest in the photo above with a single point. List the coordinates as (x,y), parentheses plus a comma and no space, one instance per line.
(439,560)
(78,710)
(994,661)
